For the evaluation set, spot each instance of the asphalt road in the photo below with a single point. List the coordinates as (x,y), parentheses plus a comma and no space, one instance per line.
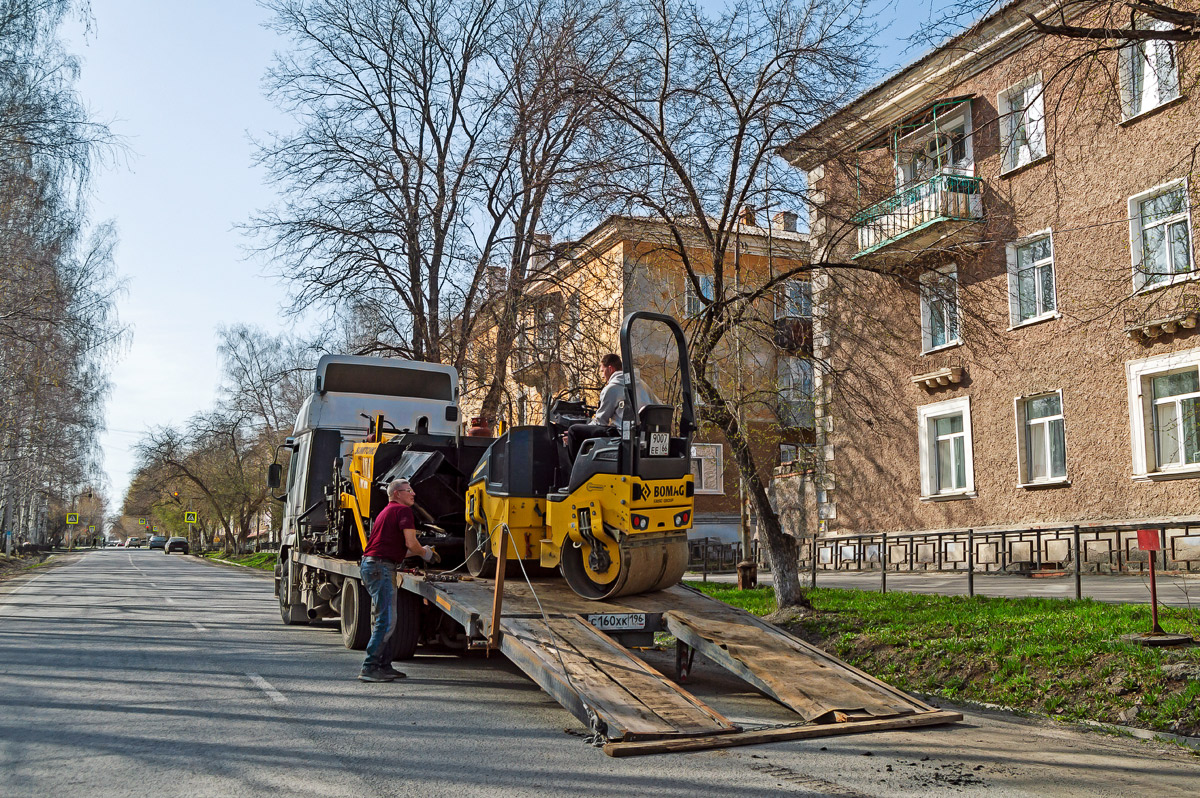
(1175,591)
(132,673)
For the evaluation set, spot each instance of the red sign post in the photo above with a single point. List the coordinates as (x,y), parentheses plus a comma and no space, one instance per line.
(1150,541)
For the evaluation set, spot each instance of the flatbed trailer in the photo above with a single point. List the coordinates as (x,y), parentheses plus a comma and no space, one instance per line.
(575,650)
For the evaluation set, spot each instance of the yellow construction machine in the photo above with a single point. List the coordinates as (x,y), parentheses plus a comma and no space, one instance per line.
(615,521)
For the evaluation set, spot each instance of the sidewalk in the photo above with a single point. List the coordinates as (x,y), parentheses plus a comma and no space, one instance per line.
(1175,591)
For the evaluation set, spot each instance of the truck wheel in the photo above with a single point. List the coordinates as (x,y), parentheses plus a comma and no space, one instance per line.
(403,642)
(292,616)
(356,615)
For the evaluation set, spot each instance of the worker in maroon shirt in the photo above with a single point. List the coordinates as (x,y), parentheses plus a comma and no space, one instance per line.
(393,537)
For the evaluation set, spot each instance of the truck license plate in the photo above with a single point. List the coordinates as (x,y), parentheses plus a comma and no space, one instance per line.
(633,621)
(659,442)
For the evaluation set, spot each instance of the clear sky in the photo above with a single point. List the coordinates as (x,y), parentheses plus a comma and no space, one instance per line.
(182,83)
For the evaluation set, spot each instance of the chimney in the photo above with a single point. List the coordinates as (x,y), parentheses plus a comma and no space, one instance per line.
(785,221)
(747,216)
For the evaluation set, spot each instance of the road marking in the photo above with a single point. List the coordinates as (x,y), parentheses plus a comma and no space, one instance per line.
(168,599)
(199,626)
(7,607)
(265,686)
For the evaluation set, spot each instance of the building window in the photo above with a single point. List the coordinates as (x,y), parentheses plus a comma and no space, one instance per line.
(1161,236)
(695,306)
(1023,123)
(574,316)
(1031,279)
(939,309)
(795,376)
(708,468)
(789,453)
(1149,74)
(1042,439)
(942,146)
(522,410)
(795,300)
(944,431)
(1164,408)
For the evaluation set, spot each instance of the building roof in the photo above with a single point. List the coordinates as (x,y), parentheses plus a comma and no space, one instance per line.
(918,85)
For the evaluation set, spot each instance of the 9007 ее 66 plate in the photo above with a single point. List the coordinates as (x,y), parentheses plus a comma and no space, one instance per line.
(628,621)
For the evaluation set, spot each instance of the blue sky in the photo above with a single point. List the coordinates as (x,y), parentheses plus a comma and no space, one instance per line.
(182,83)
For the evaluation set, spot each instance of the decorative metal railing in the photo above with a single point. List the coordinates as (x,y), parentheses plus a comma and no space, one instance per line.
(942,197)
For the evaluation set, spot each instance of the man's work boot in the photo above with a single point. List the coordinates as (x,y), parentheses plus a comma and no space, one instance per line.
(390,671)
(375,675)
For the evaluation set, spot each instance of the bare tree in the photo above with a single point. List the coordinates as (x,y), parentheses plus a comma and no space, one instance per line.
(696,116)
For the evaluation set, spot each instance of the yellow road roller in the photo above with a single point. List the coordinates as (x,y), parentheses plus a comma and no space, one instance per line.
(614,520)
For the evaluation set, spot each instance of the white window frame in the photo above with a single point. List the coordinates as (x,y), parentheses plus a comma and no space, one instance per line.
(1138,377)
(1014,298)
(1135,235)
(905,156)
(1019,412)
(714,451)
(694,307)
(1146,55)
(790,370)
(1032,116)
(926,292)
(927,449)
(786,308)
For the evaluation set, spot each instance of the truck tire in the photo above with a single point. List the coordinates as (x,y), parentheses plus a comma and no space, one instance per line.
(356,615)
(291,615)
(404,639)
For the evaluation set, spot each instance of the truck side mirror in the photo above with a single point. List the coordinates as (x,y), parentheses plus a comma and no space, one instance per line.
(274,475)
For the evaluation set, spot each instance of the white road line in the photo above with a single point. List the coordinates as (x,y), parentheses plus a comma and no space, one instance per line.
(10,606)
(168,599)
(199,626)
(265,686)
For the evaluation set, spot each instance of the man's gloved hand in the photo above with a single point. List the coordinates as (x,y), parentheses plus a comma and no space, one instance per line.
(431,556)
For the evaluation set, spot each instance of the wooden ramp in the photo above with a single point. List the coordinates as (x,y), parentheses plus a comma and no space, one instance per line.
(617,694)
(816,686)
(632,708)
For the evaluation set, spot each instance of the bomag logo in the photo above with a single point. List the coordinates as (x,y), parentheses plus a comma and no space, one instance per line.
(668,490)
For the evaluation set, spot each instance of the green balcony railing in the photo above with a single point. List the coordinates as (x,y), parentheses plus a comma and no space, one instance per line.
(940,198)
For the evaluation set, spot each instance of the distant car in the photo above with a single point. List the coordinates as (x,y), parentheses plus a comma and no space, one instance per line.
(158,541)
(133,543)
(176,544)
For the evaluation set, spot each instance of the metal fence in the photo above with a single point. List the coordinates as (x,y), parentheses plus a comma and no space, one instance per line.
(1096,549)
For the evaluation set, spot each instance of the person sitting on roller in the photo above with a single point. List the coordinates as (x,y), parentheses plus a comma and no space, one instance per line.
(607,420)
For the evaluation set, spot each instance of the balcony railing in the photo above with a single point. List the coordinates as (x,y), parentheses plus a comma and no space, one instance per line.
(922,206)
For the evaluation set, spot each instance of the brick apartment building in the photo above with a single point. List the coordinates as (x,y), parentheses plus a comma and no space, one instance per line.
(573,316)
(1016,340)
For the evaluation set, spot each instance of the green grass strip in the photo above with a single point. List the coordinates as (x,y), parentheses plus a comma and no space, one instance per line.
(262,561)
(1042,656)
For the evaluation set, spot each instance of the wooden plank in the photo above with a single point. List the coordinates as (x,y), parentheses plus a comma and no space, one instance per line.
(808,681)
(639,748)
(630,699)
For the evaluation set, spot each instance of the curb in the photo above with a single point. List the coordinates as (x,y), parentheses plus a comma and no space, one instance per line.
(1086,725)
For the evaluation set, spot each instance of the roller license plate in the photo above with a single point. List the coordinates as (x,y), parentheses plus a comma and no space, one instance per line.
(620,622)
(659,443)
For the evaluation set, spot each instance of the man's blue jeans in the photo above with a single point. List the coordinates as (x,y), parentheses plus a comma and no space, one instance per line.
(379,578)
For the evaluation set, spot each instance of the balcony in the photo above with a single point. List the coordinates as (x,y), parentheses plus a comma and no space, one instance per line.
(920,216)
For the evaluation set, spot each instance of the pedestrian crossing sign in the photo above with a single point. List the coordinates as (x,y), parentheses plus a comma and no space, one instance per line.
(189,517)
(141,522)
(92,528)
(72,518)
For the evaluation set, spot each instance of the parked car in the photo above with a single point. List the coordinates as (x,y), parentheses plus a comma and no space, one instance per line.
(158,541)
(133,543)
(176,544)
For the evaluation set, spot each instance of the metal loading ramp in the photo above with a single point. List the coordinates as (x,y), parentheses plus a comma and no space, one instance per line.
(633,709)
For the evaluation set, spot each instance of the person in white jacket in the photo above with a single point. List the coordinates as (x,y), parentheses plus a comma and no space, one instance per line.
(607,420)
